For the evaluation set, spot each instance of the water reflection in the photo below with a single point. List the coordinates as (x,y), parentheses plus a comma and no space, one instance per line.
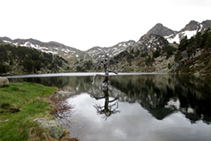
(164,95)
(160,95)
(110,106)
(137,107)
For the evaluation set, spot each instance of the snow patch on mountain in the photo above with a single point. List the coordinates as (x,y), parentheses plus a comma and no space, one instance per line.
(98,52)
(54,48)
(189,34)
(35,46)
(189,30)
(179,36)
(171,39)
(6,41)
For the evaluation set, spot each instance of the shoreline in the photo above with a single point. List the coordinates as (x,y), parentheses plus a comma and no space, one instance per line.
(20,104)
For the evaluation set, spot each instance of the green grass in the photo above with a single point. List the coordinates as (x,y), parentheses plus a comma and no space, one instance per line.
(20,103)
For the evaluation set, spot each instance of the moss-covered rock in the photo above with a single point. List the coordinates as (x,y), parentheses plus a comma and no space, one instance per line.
(4,81)
(55,129)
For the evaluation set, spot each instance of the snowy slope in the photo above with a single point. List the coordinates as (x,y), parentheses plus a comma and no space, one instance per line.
(97,52)
(50,47)
(189,30)
(176,38)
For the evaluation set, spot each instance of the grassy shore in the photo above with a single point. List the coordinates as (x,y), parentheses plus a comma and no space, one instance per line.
(20,103)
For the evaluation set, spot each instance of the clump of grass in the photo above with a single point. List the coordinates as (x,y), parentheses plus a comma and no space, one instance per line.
(20,103)
(60,107)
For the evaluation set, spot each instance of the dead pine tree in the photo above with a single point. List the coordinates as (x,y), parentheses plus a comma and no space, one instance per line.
(110,106)
(106,64)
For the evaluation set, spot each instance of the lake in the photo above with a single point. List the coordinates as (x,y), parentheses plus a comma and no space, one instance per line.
(135,107)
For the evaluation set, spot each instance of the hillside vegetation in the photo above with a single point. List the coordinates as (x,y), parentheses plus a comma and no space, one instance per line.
(190,56)
(152,53)
(194,54)
(25,60)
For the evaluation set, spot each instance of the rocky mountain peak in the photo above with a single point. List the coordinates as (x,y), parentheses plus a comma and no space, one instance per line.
(5,39)
(205,25)
(149,42)
(159,25)
(192,25)
(98,52)
(126,43)
(161,30)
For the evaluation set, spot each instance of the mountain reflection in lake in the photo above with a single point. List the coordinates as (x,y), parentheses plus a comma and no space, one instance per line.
(137,107)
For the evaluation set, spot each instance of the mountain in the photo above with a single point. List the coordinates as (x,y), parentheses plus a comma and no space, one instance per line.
(24,60)
(192,25)
(149,42)
(189,30)
(193,55)
(97,52)
(155,51)
(161,30)
(69,53)
(196,26)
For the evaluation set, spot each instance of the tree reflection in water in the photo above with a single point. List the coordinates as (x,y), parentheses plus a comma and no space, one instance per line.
(110,106)
(160,95)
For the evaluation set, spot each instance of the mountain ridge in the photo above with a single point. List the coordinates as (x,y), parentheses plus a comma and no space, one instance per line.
(189,30)
(33,41)
(149,45)
(158,29)
(69,53)
(110,51)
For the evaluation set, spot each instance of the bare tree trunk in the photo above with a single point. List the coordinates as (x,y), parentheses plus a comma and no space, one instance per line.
(105,63)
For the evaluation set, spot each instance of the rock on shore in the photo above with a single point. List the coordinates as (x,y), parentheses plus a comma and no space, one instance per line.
(4,81)
(55,129)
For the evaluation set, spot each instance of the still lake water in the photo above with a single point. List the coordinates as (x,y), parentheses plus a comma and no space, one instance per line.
(136,107)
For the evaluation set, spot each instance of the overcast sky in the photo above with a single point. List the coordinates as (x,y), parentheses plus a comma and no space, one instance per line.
(87,23)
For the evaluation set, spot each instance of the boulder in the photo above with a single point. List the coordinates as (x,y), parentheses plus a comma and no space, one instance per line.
(62,94)
(54,128)
(4,81)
